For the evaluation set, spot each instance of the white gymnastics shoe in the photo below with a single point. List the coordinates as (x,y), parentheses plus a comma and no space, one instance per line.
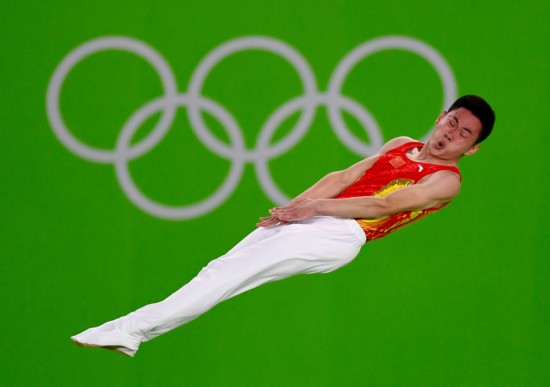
(112,339)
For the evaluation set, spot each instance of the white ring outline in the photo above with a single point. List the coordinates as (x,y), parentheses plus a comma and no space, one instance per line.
(176,212)
(252,43)
(261,164)
(371,47)
(134,46)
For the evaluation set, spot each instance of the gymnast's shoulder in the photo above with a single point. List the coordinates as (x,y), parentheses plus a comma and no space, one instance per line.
(394,143)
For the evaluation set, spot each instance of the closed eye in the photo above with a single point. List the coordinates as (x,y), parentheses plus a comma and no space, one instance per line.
(465,132)
(453,121)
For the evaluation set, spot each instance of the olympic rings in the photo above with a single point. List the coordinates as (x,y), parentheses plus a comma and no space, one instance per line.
(236,151)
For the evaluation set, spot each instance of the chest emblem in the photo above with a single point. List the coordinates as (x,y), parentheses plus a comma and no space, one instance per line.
(397,162)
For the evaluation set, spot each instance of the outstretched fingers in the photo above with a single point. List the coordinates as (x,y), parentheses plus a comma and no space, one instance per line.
(269,221)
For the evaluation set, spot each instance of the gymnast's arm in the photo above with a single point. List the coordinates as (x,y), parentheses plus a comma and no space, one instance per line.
(432,191)
(335,182)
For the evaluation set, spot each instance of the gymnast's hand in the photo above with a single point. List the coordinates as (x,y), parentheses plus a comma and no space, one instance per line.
(300,210)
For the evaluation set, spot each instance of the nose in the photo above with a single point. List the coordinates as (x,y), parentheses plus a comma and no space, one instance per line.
(448,136)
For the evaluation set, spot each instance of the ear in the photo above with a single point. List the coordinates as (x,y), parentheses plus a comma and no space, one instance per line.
(472,150)
(443,113)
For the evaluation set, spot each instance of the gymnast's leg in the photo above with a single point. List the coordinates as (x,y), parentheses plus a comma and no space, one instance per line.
(318,245)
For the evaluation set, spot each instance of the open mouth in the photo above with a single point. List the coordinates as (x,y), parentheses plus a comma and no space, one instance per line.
(440,144)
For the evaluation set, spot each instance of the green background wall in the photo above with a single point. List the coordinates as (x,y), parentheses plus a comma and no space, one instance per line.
(459,299)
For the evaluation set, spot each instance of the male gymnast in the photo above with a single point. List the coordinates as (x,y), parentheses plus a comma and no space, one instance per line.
(322,229)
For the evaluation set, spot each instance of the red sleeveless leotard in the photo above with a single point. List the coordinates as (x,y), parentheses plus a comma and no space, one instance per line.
(393,170)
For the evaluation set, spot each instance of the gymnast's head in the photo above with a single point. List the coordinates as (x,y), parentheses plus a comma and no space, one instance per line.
(480,109)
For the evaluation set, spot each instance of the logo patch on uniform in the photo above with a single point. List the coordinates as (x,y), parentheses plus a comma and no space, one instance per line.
(397,162)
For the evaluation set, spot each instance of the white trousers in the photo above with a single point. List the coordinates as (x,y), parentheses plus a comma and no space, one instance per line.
(317,245)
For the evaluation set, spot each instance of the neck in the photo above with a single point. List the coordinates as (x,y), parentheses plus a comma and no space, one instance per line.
(425,156)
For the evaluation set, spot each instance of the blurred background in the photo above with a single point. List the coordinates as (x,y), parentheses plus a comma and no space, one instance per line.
(141,139)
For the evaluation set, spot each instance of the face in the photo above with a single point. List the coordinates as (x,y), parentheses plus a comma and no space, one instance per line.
(455,135)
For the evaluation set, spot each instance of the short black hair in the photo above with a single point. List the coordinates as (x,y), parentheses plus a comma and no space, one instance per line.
(479,108)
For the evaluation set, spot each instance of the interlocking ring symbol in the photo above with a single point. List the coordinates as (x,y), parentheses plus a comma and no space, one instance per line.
(196,103)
